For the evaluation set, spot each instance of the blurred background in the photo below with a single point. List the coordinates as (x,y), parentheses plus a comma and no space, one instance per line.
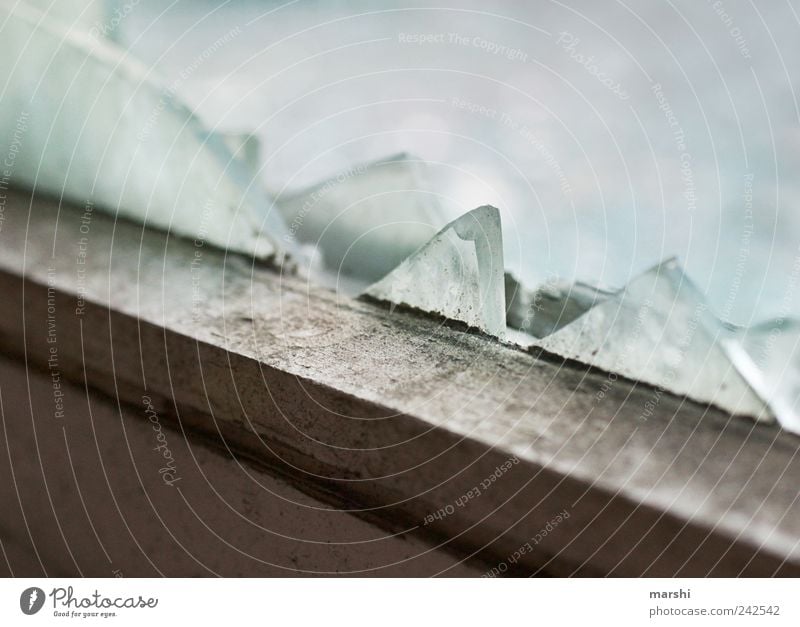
(611,135)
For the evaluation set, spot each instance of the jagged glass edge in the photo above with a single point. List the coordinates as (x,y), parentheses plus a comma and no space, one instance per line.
(784,413)
(493,323)
(709,322)
(272,228)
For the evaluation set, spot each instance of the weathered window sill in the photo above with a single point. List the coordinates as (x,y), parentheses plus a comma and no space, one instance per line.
(398,415)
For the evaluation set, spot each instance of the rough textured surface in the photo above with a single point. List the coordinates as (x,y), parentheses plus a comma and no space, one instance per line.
(658,329)
(97,505)
(400,414)
(458,274)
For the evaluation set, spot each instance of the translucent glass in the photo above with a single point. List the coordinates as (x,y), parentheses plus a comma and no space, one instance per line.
(659,330)
(768,357)
(552,305)
(367,219)
(93,126)
(458,274)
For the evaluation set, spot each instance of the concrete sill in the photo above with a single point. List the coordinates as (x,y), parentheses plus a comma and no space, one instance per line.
(397,417)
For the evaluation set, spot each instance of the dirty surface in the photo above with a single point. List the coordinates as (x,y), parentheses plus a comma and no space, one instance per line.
(405,414)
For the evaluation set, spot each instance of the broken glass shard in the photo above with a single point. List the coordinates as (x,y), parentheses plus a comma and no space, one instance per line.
(368,219)
(549,307)
(92,126)
(243,146)
(458,274)
(768,357)
(659,330)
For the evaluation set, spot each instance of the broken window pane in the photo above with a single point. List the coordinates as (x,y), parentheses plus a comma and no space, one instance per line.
(458,274)
(97,128)
(658,329)
(767,357)
(550,306)
(368,219)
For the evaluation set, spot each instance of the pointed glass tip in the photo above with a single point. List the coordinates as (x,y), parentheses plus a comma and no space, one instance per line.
(550,306)
(768,358)
(366,220)
(658,329)
(458,274)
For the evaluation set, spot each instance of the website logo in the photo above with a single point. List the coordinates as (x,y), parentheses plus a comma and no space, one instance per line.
(31,600)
